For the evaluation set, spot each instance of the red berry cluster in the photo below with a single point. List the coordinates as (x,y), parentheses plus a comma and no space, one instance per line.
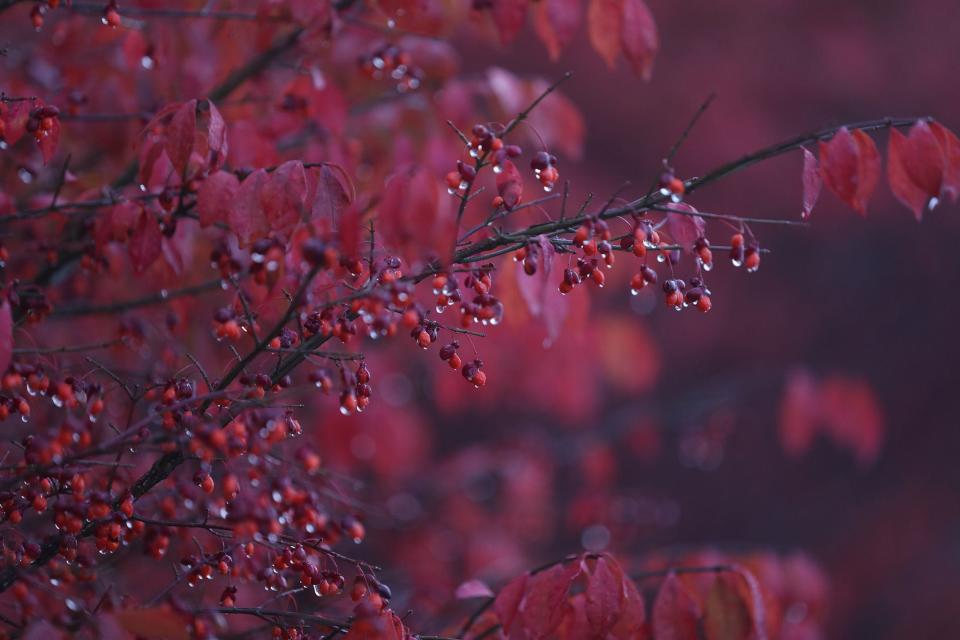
(544,168)
(42,121)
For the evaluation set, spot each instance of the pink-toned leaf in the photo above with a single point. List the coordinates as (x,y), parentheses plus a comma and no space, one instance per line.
(217,146)
(545,601)
(798,413)
(216,197)
(283,195)
(509,16)
(539,291)
(49,140)
(950,146)
(812,183)
(556,23)
(180,135)
(915,167)
(15,116)
(144,245)
(6,335)
(473,589)
(726,615)
(507,603)
(413,218)
(327,194)
(510,185)
(631,625)
(852,416)
(247,216)
(676,614)
(850,165)
(604,593)
(605,28)
(639,38)
(685,228)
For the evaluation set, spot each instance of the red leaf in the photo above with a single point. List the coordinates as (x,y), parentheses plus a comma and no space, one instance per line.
(676,614)
(812,182)
(510,185)
(327,194)
(413,218)
(852,416)
(798,413)
(15,116)
(951,154)
(216,197)
(726,616)
(545,601)
(473,589)
(604,592)
(507,603)
(247,216)
(49,140)
(509,16)
(605,26)
(631,624)
(639,37)
(556,23)
(539,291)
(915,167)
(283,195)
(216,140)
(180,136)
(850,165)
(6,335)
(144,245)
(683,228)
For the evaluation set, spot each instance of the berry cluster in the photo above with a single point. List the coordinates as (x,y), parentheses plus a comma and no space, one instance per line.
(544,168)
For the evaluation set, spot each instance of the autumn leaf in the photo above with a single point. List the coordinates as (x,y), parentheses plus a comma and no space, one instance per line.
(247,215)
(684,226)
(509,16)
(951,154)
(604,26)
(216,197)
(539,291)
(850,166)
(179,136)
(556,23)
(328,192)
(283,194)
(144,245)
(917,166)
(676,614)
(638,37)
(812,182)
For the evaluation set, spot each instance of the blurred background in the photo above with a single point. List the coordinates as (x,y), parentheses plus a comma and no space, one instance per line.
(670,438)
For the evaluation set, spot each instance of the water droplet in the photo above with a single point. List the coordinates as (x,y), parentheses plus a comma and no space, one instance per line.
(933,203)
(25,175)
(344,411)
(474,153)
(707,266)
(497,168)
(676,198)
(737,263)
(661,258)
(548,187)
(146,62)
(142,186)
(57,401)
(24,418)
(664,191)
(164,294)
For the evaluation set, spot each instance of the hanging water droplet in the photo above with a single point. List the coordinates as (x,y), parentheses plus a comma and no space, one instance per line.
(661,258)
(737,263)
(474,153)
(933,203)
(142,186)
(548,187)
(664,191)
(146,62)
(391,23)
(676,198)
(24,418)
(707,266)
(57,401)
(498,168)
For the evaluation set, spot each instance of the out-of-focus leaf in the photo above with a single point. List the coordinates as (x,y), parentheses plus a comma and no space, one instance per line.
(812,183)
